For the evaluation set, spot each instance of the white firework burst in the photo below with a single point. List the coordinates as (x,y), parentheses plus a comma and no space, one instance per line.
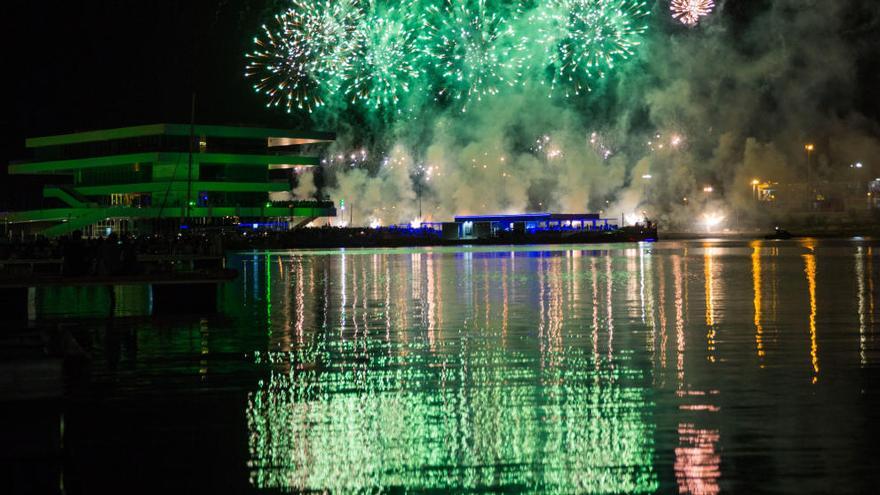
(688,12)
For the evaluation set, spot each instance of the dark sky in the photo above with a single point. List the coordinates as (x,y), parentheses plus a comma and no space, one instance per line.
(87,64)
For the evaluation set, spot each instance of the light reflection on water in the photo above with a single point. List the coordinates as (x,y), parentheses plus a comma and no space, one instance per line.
(543,371)
(689,367)
(384,394)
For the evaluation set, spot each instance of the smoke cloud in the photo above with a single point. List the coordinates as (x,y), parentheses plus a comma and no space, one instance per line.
(713,106)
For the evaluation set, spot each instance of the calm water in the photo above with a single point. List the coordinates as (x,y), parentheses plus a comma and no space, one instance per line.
(676,367)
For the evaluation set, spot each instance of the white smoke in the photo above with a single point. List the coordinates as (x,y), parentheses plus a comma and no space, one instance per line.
(717,105)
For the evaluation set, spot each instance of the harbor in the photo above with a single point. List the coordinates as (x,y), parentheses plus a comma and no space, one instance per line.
(601,247)
(548,345)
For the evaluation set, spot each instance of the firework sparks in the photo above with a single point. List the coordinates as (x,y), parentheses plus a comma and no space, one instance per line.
(600,146)
(382,70)
(304,52)
(354,158)
(712,220)
(474,46)
(689,12)
(670,143)
(372,52)
(586,38)
(544,146)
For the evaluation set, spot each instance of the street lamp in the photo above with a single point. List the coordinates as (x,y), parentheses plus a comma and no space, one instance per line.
(755,183)
(809,147)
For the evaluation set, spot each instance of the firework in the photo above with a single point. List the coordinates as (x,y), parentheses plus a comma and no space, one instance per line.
(383,67)
(304,53)
(672,142)
(474,47)
(712,219)
(546,148)
(586,38)
(599,145)
(353,158)
(688,12)
(375,52)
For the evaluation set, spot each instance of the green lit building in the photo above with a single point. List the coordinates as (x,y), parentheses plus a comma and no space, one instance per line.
(139,179)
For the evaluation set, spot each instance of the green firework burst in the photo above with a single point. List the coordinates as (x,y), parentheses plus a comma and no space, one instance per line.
(585,39)
(473,45)
(304,53)
(383,66)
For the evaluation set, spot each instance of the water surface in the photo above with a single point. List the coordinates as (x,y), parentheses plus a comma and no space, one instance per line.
(675,367)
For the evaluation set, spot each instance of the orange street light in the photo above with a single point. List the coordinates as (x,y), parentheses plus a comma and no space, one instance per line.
(809,147)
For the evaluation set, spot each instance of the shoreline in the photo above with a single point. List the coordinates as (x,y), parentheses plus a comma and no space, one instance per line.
(477,243)
(759,235)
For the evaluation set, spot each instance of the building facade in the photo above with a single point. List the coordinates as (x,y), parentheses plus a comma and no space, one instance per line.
(143,178)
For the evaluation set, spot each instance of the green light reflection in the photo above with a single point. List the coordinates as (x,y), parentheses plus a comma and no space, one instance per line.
(483,418)
(385,399)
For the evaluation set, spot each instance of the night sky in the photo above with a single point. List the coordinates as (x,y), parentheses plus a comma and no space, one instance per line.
(92,64)
(86,64)
(89,64)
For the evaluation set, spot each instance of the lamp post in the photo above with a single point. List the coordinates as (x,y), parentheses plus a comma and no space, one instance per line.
(809,147)
(811,192)
(755,183)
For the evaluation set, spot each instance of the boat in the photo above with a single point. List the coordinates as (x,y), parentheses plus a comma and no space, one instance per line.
(778,234)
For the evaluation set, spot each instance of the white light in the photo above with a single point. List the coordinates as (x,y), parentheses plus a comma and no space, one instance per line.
(712,220)
(416,224)
(859,165)
(375,223)
(633,218)
(647,176)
